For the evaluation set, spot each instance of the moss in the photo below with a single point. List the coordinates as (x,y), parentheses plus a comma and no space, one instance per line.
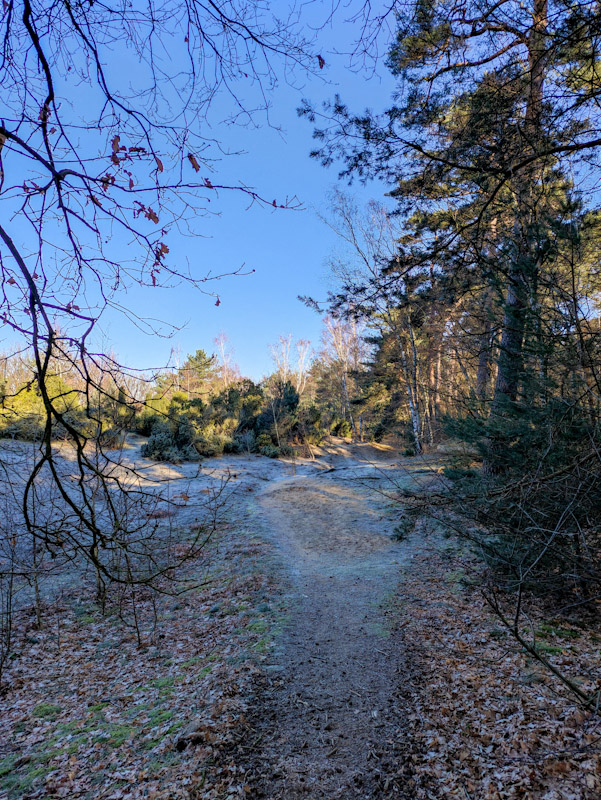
(158,717)
(192,661)
(258,627)
(46,711)
(163,683)
(6,765)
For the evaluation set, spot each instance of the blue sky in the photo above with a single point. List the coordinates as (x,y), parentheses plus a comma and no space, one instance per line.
(287,249)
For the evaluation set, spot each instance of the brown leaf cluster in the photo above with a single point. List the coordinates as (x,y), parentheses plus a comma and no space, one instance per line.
(87,713)
(485,721)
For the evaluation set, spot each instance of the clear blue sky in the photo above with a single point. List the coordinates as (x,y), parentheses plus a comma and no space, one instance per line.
(287,249)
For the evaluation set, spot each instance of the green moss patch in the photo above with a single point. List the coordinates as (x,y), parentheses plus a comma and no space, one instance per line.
(46,711)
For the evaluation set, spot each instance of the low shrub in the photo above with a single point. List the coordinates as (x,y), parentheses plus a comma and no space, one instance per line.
(145,422)
(264,440)
(210,445)
(246,442)
(164,445)
(29,428)
(270,450)
(111,438)
(343,428)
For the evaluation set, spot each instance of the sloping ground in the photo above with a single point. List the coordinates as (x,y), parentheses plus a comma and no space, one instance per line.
(327,727)
(94,706)
(320,660)
(91,712)
(393,679)
(485,720)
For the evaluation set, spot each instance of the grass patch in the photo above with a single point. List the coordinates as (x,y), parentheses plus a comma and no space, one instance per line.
(48,755)
(163,683)
(158,717)
(74,746)
(549,649)
(150,744)
(97,707)
(176,726)
(19,785)
(547,629)
(119,734)
(260,626)
(67,727)
(6,765)
(379,630)
(46,711)
(191,662)
(455,576)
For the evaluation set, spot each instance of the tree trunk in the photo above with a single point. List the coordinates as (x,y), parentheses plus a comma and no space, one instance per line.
(347,402)
(413,409)
(523,269)
(484,372)
(512,338)
(409,384)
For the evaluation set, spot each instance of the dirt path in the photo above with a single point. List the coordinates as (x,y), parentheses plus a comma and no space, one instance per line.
(327,725)
(327,722)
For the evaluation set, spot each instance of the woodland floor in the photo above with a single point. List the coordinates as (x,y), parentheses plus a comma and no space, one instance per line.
(321,658)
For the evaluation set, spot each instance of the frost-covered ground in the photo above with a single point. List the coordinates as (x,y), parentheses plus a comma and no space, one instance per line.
(312,655)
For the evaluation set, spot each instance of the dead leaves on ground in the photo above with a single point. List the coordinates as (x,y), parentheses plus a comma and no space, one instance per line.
(485,721)
(89,714)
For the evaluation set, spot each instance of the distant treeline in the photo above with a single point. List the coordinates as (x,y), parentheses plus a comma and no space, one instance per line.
(200,408)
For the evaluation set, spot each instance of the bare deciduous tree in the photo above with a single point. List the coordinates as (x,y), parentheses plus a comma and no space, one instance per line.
(303,355)
(105,153)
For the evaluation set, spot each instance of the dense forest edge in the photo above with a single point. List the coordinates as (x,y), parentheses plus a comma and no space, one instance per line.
(204,407)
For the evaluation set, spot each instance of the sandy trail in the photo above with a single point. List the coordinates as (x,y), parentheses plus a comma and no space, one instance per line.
(327,725)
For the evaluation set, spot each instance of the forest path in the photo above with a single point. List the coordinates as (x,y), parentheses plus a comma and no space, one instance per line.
(327,724)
